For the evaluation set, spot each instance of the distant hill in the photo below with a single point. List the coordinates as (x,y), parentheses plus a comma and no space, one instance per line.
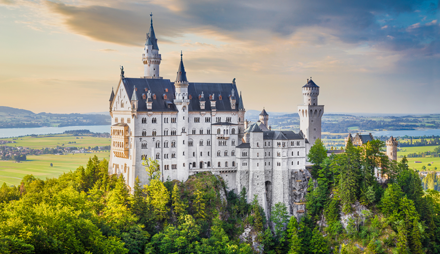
(21,118)
(16,111)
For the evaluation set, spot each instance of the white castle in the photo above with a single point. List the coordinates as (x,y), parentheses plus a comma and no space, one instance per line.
(196,127)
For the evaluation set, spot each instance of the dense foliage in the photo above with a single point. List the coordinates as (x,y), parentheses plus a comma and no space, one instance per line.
(90,211)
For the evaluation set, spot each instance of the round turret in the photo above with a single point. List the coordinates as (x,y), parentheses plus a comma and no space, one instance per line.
(310,93)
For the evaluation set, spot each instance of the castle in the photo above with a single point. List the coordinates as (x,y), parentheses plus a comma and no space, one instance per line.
(192,127)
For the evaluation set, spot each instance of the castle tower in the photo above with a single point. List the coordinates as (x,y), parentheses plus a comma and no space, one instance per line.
(182,102)
(392,148)
(264,118)
(241,121)
(151,57)
(310,113)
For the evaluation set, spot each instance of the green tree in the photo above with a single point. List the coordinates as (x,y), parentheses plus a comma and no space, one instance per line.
(295,245)
(179,206)
(318,244)
(199,204)
(152,168)
(316,155)
(158,197)
(416,245)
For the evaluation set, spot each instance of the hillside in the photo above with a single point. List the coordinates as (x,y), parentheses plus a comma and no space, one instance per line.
(348,211)
(20,118)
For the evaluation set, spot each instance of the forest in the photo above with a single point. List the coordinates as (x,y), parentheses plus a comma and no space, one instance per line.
(90,211)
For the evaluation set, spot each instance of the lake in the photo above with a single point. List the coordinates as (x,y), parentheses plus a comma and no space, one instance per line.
(16,132)
(414,133)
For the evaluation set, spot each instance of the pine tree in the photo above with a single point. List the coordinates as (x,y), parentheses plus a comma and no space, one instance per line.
(402,242)
(316,155)
(416,245)
(179,206)
(295,246)
(199,205)
(318,244)
(158,197)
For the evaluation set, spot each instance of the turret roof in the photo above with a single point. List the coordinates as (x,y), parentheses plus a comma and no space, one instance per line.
(181,74)
(134,96)
(264,113)
(310,83)
(151,36)
(240,103)
(112,95)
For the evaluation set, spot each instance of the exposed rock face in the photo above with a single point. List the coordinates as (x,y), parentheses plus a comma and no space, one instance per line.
(356,214)
(299,182)
(250,236)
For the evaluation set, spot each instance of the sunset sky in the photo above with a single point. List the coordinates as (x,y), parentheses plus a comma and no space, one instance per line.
(375,56)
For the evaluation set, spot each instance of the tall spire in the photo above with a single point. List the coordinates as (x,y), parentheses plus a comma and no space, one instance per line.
(112,95)
(240,103)
(181,74)
(151,36)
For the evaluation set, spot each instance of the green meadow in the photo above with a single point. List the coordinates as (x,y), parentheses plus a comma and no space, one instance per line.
(51,141)
(434,161)
(39,166)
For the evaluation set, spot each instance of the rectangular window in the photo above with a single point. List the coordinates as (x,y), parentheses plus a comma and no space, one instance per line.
(173,120)
(174,166)
(218,119)
(165,120)
(228,119)
(207,119)
(197,119)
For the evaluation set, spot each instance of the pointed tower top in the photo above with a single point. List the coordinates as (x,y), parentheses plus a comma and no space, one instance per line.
(151,36)
(181,74)
(112,95)
(264,113)
(134,96)
(240,103)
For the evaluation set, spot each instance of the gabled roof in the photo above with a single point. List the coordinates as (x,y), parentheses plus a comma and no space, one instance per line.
(253,128)
(263,113)
(310,83)
(181,73)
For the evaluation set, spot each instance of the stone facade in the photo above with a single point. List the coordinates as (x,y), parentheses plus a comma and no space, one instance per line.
(195,127)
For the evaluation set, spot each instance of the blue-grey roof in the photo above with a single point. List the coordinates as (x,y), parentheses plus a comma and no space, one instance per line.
(112,95)
(310,83)
(366,138)
(151,37)
(181,73)
(264,113)
(281,135)
(240,102)
(158,87)
(254,128)
(224,123)
(244,145)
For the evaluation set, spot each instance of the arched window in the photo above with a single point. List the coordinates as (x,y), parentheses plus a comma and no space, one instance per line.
(165,132)
(219,165)
(226,153)
(218,131)
(233,131)
(190,142)
(201,131)
(165,144)
(183,130)
(144,145)
(154,133)
(193,131)
(209,164)
(173,143)
(208,143)
(226,164)
(157,156)
(194,164)
(233,163)
(232,153)
(144,133)
(158,144)
(201,142)
(144,120)
(154,120)
(218,153)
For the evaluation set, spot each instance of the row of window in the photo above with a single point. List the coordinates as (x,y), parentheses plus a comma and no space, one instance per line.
(244,163)
(154,120)
(244,154)
(122,120)
(166,132)
(173,155)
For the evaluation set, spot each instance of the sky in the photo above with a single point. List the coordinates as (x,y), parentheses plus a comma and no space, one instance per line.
(375,56)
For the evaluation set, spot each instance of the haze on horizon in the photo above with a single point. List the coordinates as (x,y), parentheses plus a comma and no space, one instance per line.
(377,56)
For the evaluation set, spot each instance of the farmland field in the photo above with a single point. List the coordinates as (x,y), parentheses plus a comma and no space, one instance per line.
(52,141)
(39,166)
(435,163)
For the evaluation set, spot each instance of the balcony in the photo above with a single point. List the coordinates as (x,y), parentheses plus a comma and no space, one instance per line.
(120,136)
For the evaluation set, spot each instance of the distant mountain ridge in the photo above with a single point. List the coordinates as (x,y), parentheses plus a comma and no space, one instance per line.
(20,118)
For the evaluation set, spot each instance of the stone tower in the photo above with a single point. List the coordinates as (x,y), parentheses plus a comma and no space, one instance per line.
(182,102)
(392,148)
(310,113)
(241,121)
(264,118)
(151,57)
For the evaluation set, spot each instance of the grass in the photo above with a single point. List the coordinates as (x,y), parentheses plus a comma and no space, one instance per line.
(52,141)
(415,149)
(434,161)
(39,166)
